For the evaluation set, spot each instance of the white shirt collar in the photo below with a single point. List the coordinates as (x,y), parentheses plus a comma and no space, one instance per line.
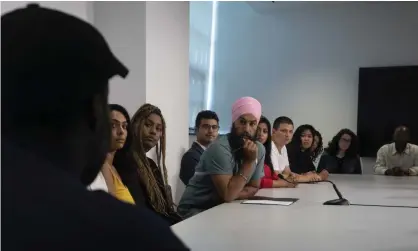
(276,149)
(202,146)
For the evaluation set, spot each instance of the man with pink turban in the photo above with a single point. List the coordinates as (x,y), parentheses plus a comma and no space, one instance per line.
(232,167)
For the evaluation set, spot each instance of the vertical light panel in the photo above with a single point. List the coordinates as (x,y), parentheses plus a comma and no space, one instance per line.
(209,91)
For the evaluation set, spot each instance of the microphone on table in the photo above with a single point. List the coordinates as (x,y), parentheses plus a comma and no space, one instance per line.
(341,201)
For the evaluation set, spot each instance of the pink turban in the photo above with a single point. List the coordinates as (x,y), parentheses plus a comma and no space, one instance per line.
(246,105)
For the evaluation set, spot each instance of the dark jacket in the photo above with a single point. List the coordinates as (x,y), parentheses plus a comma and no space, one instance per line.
(47,208)
(346,165)
(300,162)
(131,179)
(189,162)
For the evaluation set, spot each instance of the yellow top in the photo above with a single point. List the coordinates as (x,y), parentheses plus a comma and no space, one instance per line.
(121,191)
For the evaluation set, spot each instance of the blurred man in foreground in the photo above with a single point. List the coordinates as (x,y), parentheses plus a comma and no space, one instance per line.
(55,136)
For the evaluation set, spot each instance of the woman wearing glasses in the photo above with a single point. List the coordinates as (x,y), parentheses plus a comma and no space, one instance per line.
(341,155)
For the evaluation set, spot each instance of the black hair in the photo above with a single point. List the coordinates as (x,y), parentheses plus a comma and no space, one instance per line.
(319,147)
(121,109)
(282,120)
(296,141)
(333,145)
(267,144)
(120,159)
(206,114)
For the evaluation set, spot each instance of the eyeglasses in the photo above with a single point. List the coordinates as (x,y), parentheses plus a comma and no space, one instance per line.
(345,140)
(207,127)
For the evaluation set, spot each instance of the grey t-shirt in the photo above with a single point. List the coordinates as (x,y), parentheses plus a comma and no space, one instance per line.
(200,193)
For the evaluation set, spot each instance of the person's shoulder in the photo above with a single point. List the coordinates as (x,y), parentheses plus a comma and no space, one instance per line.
(187,154)
(325,154)
(385,148)
(414,148)
(292,149)
(190,155)
(261,148)
(193,151)
(76,217)
(129,222)
(220,144)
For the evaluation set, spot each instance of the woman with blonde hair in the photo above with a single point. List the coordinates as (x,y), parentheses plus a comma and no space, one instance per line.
(146,179)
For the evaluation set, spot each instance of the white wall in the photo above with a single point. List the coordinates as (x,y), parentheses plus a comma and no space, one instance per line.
(81,9)
(167,78)
(123,26)
(152,39)
(303,62)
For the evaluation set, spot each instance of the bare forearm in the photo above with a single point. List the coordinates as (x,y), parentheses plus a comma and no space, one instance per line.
(247,192)
(279,183)
(237,183)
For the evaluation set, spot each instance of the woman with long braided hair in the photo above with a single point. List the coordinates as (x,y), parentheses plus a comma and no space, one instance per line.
(147,180)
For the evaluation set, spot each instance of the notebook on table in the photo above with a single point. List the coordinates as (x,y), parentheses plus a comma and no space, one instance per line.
(262,200)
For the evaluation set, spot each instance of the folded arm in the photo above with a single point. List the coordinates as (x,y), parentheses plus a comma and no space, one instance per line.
(249,190)
(228,186)
(381,165)
(414,170)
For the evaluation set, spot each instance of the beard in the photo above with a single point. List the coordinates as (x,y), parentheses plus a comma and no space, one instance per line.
(236,141)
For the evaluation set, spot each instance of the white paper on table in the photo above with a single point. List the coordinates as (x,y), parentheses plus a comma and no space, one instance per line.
(268,202)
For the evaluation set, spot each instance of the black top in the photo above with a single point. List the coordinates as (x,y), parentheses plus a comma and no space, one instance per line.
(189,162)
(131,179)
(300,162)
(345,165)
(45,208)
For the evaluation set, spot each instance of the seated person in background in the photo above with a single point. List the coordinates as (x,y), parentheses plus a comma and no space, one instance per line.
(398,158)
(55,130)
(145,179)
(341,155)
(282,135)
(300,155)
(317,148)
(119,120)
(271,178)
(207,127)
(232,167)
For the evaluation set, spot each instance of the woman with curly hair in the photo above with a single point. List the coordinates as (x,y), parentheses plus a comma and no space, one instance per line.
(317,148)
(146,179)
(300,155)
(341,155)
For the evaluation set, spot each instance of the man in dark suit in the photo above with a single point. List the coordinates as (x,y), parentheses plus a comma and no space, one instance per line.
(55,136)
(207,128)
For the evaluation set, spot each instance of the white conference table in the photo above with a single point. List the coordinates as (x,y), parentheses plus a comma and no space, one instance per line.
(309,225)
